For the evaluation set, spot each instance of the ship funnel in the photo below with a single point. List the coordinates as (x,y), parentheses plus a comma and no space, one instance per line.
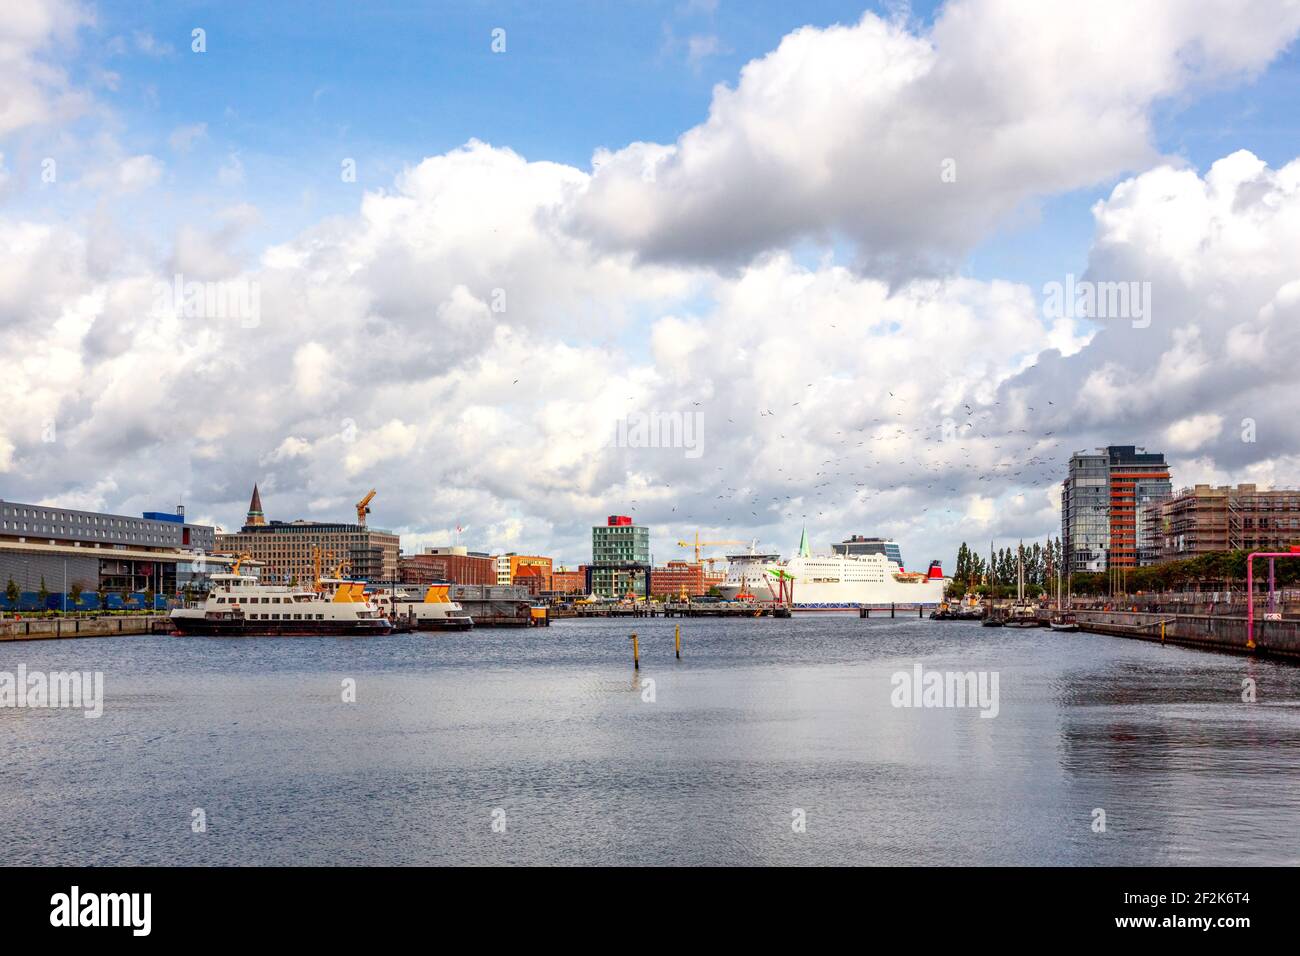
(936,571)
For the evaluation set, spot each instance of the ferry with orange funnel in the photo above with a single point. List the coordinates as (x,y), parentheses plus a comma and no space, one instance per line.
(239,605)
(434,610)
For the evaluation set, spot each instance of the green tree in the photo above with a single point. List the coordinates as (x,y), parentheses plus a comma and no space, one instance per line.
(44,593)
(12,593)
(75,593)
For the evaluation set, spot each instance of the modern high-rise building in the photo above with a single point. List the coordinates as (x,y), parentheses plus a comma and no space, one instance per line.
(287,549)
(1104,503)
(620,558)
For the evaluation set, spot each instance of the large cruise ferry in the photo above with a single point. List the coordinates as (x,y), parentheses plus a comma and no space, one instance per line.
(850,577)
(747,576)
(238,605)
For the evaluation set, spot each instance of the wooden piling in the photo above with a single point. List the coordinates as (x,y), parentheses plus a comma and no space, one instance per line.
(636,653)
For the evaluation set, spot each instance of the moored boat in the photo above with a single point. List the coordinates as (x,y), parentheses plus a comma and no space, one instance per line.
(238,605)
(434,610)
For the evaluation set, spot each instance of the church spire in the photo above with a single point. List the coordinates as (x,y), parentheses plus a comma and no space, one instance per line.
(255,516)
(805,549)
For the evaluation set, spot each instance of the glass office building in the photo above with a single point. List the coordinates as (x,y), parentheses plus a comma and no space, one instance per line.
(620,558)
(1104,502)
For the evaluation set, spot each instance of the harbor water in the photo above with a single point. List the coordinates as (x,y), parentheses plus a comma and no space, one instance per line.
(770,742)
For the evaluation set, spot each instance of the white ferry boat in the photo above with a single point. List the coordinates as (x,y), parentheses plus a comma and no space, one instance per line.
(841,581)
(434,610)
(747,576)
(238,605)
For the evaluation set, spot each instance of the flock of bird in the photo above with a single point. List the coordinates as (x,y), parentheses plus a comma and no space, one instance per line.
(903,469)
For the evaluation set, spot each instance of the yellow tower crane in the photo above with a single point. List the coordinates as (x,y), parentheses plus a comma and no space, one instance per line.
(697,544)
(363,507)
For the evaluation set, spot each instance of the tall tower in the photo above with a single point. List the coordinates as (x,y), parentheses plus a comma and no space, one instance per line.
(1104,502)
(255,516)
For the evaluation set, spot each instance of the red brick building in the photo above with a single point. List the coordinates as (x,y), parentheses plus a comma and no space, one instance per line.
(454,564)
(668,581)
(567,581)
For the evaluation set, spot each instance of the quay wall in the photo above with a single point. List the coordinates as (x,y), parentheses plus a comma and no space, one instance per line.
(53,628)
(1272,638)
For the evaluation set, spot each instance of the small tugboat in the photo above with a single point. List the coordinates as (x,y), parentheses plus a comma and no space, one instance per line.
(238,605)
(432,611)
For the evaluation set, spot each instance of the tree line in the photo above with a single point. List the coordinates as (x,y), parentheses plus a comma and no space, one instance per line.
(1216,571)
(995,573)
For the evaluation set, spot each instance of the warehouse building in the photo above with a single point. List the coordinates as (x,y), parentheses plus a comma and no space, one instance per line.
(65,551)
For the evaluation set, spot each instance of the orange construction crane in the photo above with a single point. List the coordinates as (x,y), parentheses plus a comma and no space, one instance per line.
(363,507)
(697,544)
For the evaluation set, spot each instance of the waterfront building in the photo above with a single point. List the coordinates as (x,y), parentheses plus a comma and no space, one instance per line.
(676,577)
(858,545)
(286,549)
(456,564)
(1105,500)
(95,551)
(1203,519)
(566,580)
(528,570)
(620,558)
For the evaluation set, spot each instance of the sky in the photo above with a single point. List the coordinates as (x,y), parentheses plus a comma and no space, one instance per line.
(727,268)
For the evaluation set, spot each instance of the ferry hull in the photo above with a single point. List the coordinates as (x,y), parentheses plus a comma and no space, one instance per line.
(444,624)
(228,628)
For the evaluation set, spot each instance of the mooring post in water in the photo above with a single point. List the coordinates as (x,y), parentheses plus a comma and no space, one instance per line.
(636,653)
(1162,632)
(677,641)
(891,608)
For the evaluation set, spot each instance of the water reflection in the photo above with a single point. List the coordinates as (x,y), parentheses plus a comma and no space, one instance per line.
(554,727)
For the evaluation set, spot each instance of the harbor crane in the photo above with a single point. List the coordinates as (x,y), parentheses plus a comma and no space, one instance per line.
(697,544)
(363,507)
